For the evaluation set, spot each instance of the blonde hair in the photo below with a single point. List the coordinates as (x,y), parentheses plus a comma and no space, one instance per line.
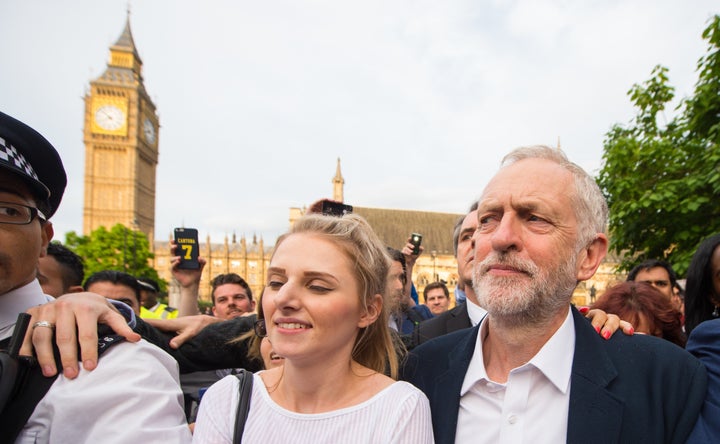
(373,346)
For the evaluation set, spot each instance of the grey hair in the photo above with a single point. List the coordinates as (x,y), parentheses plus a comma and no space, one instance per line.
(590,206)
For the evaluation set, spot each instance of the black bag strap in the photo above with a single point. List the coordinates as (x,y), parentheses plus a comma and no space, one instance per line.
(246,382)
(30,388)
(9,351)
(27,384)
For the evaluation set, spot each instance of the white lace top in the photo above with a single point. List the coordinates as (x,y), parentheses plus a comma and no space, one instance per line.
(399,413)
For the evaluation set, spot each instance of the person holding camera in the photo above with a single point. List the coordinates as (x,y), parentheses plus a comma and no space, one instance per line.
(405,314)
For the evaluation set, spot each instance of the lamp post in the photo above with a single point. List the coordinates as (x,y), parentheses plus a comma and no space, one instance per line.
(433,255)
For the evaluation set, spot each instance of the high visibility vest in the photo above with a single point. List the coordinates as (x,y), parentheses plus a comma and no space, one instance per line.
(159,311)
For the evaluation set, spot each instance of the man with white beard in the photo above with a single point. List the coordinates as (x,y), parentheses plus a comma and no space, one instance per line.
(534,370)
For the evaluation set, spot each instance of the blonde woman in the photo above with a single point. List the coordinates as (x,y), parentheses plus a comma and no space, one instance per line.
(325,314)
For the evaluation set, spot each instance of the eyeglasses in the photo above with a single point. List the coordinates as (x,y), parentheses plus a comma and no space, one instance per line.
(661,284)
(260,328)
(18,214)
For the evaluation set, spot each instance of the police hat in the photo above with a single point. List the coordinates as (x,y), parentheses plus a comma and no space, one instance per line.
(24,152)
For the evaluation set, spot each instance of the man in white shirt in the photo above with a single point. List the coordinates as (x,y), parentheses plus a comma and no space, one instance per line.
(534,370)
(134,396)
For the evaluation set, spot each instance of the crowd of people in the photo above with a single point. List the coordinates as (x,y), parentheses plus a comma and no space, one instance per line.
(336,349)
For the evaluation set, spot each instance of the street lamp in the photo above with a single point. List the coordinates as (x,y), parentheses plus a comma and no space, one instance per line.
(433,255)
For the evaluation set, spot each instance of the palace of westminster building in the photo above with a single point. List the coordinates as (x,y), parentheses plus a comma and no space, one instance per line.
(121,156)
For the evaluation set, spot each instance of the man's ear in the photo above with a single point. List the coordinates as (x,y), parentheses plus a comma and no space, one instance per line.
(591,257)
(46,232)
(252,305)
(372,311)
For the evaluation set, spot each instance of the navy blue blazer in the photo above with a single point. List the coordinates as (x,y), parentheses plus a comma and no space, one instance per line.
(704,343)
(633,389)
(448,322)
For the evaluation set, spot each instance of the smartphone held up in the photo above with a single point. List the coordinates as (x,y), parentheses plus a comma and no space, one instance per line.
(187,247)
(416,240)
(332,208)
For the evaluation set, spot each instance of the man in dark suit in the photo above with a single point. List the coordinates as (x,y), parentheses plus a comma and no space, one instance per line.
(457,318)
(541,223)
(452,320)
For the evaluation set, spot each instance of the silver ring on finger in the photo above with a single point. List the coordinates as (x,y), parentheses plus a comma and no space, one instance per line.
(44,324)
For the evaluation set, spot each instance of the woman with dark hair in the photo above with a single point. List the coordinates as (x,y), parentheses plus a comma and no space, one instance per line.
(704,344)
(702,290)
(702,323)
(645,308)
(259,347)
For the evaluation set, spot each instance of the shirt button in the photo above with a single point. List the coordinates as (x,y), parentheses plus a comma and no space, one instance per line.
(512,419)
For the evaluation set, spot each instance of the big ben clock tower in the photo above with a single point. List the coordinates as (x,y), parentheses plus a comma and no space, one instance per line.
(121,144)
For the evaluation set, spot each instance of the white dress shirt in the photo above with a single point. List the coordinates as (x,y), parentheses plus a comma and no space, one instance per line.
(392,322)
(17,301)
(475,312)
(531,407)
(132,396)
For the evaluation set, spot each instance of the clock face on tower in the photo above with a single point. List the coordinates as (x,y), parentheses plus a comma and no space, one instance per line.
(149,131)
(110,117)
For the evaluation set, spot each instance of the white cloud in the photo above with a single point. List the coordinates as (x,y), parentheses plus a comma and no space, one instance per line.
(420,99)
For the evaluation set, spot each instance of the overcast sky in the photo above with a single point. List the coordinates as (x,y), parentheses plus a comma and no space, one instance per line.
(419,99)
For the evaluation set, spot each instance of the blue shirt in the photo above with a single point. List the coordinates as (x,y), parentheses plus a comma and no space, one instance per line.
(407,323)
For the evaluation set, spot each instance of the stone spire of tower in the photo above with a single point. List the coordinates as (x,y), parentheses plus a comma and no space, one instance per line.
(125,40)
(125,64)
(338,184)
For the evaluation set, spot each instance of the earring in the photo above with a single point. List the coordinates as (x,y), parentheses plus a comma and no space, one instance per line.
(260,329)
(716,312)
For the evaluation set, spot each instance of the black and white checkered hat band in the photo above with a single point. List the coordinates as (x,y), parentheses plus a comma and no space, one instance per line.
(10,156)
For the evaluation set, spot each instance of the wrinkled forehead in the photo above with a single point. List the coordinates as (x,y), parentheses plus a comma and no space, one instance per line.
(529,179)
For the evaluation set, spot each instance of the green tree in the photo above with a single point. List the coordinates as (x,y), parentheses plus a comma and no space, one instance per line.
(121,249)
(662,181)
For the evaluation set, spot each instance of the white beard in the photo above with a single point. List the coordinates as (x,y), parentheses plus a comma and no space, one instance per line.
(527,299)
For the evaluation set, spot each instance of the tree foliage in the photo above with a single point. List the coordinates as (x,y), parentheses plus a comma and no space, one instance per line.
(121,249)
(662,181)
